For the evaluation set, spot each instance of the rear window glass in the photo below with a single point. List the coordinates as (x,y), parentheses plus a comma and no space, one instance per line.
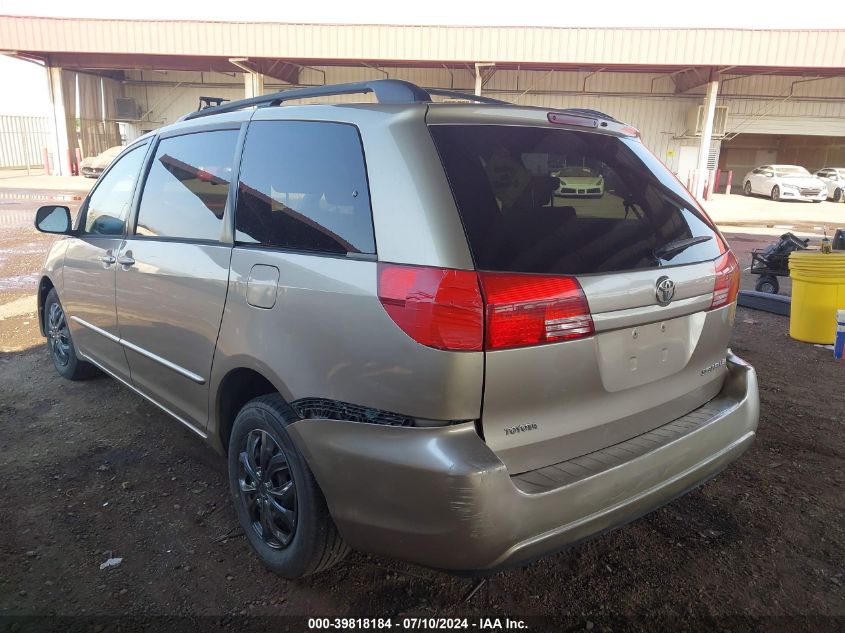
(539,200)
(304,187)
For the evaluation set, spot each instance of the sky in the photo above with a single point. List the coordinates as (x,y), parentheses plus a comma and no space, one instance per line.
(30,95)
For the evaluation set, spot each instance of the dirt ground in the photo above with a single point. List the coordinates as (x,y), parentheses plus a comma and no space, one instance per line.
(90,471)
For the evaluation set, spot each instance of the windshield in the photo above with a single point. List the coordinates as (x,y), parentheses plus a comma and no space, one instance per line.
(518,218)
(791,171)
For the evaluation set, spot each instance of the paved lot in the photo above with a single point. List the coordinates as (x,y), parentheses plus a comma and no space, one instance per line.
(735,211)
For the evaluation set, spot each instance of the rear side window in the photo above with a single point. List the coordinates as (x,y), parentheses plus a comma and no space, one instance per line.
(303,186)
(187,186)
(108,206)
(540,200)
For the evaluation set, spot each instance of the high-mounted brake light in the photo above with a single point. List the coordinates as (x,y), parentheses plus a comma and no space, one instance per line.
(437,307)
(727,281)
(446,309)
(527,310)
(572,119)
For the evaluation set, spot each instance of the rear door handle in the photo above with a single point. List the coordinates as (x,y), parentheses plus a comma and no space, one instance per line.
(125,260)
(108,260)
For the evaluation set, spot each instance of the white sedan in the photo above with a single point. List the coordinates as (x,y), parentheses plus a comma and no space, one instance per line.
(834,177)
(785,182)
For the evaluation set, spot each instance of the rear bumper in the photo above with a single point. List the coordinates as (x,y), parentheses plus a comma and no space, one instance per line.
(441,498)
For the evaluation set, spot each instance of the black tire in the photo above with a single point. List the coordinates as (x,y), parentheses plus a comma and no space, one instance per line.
(290,530)
(775,193)
(837,195)
(747,188)
(60,343)
(767,283)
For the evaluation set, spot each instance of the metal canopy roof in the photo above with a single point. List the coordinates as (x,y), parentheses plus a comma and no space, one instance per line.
(189,45)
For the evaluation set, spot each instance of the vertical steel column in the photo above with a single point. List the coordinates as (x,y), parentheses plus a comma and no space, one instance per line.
(253,85)
(706,137)
(58,126)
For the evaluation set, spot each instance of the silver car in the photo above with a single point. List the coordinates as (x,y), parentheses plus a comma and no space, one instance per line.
(93,166)
(403,340)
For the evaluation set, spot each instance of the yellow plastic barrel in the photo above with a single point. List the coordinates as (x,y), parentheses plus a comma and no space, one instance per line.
(818,291)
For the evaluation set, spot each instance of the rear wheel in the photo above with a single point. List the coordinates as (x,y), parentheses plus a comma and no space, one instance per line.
(775,193)
(279,505)
(60,343)
(837,195)
(747,189)
(767,283)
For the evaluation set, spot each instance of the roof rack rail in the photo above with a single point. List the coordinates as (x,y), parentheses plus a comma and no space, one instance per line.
(457,94)
(385,90)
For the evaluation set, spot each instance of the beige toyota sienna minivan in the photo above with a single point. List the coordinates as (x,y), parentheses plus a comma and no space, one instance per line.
(408,332)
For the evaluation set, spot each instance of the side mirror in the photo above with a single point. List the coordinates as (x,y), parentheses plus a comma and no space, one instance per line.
(53,219)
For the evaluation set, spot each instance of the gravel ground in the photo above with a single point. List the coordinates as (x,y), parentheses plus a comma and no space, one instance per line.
(90,471)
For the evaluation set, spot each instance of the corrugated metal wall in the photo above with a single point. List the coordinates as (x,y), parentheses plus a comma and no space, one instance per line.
(646,101)
(22,139)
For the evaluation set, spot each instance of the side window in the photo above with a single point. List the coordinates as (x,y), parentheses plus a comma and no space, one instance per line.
(187,186)
(303,186)
(109,203)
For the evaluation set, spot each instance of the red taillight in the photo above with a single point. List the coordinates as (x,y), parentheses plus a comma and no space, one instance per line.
(527,310)
(437,307)
(727,281)
(445,309)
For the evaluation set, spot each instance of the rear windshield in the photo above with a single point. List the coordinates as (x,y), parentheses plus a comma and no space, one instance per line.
(539,200)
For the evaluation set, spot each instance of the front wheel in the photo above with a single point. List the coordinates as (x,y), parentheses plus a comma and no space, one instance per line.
(747,189)
(60,343)
(837,195)
(775,193)
(279,505)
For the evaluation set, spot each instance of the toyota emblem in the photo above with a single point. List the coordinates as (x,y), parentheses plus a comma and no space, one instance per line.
(665,291)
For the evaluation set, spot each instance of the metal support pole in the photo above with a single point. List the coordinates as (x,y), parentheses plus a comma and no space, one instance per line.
(253,85)
(706,137)
(58,129)
(478,77)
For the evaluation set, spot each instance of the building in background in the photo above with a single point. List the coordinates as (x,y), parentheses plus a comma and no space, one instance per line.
(730,98)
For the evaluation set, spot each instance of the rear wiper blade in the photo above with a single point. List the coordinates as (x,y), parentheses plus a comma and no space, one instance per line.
(668,251)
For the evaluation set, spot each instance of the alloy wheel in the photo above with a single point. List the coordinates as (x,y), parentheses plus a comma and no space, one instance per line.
(58,335)
(267,489)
